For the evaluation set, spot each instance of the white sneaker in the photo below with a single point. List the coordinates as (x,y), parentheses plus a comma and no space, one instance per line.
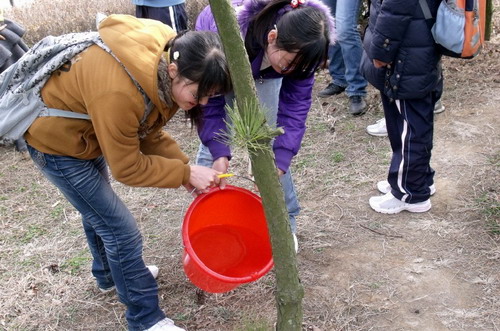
(388,204)
(384,187)
(295,243)
(165,324)
(378,129)
(152,269)
(438,107)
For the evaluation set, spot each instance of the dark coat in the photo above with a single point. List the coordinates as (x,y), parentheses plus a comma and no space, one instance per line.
(398,34)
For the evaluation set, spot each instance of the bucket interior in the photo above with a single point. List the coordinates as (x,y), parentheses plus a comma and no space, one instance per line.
(225,233)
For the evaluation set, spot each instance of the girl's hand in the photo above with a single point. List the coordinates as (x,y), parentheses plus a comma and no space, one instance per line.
(379,64)
(203,178)
(221,165)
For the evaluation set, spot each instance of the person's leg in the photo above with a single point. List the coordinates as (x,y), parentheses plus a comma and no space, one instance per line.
(268,93)
(349,40)
(336,66)
(82,182)
(179,17)
(410,129)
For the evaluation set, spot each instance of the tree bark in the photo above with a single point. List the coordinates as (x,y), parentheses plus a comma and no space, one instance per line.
(489,22)
(289,292)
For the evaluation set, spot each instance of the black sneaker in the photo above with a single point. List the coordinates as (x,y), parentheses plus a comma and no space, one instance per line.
(331,89)
(357,105)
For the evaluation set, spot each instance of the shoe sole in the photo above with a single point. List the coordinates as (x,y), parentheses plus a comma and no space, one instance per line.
(377,134)
(408,207)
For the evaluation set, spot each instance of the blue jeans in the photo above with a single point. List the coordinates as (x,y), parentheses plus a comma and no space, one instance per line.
(345,54)
(112,233)
(268,92)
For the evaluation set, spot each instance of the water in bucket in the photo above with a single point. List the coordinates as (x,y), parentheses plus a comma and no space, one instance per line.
(226,240)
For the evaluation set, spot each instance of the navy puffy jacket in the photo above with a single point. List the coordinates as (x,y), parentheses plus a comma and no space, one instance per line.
(398,34)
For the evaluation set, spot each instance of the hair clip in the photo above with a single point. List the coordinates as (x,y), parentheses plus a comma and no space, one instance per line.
(176,55)
(296,3)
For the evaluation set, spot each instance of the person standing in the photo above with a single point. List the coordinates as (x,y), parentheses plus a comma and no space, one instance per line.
(345,56)
(171,12)
(401,61)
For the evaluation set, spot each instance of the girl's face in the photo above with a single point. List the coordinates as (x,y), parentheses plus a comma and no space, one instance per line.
(184,91)
(280,60)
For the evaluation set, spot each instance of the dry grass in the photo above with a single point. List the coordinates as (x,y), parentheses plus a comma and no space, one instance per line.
(361,270)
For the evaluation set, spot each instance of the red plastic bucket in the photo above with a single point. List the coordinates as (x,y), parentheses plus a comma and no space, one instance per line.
(226,240)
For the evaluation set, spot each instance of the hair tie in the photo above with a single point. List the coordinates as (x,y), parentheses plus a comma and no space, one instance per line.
(296,3)
(176,55)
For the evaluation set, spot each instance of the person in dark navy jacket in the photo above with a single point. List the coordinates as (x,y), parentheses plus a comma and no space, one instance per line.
(400,60)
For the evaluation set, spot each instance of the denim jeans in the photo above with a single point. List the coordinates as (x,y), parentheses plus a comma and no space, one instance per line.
(112,233)
(268,92)
(345,54)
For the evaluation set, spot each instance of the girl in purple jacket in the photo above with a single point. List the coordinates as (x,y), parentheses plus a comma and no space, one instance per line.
(286,42)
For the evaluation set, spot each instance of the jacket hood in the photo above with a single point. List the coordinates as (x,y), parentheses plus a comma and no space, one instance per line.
(139,45)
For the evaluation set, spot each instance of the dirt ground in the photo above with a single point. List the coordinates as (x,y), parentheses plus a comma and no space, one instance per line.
(360,270)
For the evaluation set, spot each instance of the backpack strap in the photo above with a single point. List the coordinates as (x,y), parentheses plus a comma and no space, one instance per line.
(70,114)
(63,113)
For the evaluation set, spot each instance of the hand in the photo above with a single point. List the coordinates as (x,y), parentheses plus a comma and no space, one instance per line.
(221,165)
(191,189)
(203,178)
(379,64)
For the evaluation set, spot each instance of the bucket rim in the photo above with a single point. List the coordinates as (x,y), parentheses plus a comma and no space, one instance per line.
(189,248)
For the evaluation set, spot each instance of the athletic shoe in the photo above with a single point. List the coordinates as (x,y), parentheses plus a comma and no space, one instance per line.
(438,107)
(165,324)
(378,129)
(384,187)
(152,269)
(295,243)
(331,89)
(357,105)
(388,204)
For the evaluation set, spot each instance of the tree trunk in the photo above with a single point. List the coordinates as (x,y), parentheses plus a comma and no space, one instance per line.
(289,292)
(489,22)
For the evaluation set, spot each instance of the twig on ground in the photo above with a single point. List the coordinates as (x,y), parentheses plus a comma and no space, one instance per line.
(381,233)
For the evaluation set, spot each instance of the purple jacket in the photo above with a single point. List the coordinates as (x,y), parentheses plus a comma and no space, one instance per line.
(294,99)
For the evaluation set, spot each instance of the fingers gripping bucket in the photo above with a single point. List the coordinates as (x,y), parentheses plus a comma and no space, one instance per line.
(226,240)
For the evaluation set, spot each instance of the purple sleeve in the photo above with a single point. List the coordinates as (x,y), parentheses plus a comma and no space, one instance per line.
(213,112)
(213,125)
(294,104)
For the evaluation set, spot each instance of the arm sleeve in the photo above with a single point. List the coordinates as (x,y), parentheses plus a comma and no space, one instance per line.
(213,126)
(390,28)
(116,119)
(295,102)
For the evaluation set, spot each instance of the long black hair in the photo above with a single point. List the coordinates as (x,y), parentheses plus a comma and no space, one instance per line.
(200,58)
(303,30)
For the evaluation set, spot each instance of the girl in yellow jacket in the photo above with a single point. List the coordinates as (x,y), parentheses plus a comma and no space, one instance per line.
(129,87)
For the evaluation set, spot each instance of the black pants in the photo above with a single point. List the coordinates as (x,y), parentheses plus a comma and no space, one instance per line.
(410,126)
(174,16)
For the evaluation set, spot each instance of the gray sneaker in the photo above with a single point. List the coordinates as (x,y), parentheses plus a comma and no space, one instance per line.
(357,105)
(331,89)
